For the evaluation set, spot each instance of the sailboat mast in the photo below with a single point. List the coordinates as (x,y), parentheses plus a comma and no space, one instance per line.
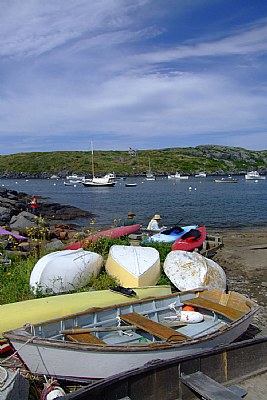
(93,169)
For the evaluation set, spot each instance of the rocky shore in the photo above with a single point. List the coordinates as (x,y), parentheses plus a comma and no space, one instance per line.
(15,211)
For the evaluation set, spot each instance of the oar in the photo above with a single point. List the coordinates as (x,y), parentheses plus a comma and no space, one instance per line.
(97,329)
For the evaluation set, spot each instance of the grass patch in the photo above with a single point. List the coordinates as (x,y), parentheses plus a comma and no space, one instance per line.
(15,278)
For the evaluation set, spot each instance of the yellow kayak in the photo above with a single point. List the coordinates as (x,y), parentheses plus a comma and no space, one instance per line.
(15,315)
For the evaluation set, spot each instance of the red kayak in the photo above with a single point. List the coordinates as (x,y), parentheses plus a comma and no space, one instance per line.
(190,240)
(110,233)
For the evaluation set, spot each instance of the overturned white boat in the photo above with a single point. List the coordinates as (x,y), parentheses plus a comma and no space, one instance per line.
(190,270)
(64,271)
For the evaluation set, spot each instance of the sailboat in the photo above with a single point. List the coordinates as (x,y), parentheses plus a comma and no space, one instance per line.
(107,180)
(149,175)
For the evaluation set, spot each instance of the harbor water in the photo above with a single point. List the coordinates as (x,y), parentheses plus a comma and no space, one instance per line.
(199,201)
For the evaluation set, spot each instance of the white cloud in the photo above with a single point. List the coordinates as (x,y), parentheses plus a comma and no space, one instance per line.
(97,68)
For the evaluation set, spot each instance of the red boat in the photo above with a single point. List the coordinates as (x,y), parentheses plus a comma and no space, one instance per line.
(190,240)
(110,233)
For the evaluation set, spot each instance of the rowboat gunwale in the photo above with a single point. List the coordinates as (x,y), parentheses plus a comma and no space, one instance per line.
(23,334)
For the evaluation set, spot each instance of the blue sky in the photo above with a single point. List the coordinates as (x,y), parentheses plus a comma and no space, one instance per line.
(146,74)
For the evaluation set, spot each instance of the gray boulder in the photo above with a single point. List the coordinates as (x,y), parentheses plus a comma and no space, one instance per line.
(5,214)
(23,221)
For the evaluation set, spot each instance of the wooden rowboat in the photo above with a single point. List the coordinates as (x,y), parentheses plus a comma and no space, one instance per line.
(14,315)
(134,265)
(101,342)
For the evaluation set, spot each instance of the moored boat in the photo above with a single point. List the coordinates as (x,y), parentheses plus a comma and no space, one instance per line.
(252,175)
(178,176)
(190,240)
(190,270)
(64,271)
(130,184)
(149,175)
(106,181)
(226,180)
(133,265)
(100,342)
(201,175)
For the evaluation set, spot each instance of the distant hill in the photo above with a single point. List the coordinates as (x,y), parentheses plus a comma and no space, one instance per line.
(212,159)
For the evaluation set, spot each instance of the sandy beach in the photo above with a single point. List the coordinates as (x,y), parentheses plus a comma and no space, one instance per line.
(244,260)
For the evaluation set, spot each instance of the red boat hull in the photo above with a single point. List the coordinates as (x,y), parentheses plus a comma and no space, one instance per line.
(110,233)
(190,243)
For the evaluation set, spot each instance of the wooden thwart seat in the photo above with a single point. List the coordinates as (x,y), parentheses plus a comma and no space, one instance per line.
(84,338)
(154,328)
(227,312)
(209,389)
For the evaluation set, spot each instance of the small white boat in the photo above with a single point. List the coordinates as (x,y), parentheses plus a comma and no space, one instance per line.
(149,175)
(98,182)
(64,271)
(75,178)
(226,180)
(190,270)
(130,184)
(178,176)
(70,183)
(134,266)
(252,175)
(201,175)
(100,342)
(106,181)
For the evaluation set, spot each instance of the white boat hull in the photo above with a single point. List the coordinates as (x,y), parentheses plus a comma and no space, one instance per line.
(64,271)
(254,175)
(191,270)
(134,266)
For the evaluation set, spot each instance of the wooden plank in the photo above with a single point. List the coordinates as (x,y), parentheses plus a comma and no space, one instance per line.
(208,388)
(228,312)
(156,329)
(84,337)
(97,329)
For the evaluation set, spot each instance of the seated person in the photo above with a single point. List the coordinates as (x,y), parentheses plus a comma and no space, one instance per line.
(130,219)
(154,223)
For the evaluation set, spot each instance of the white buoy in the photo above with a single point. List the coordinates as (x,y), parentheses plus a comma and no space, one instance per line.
(190,188)
(55,393)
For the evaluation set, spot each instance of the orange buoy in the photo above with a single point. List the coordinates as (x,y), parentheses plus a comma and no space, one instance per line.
(188,308)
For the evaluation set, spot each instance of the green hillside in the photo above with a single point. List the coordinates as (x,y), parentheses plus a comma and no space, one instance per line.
(211,158)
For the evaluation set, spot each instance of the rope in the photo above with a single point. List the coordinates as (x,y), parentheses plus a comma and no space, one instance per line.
(17,351)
